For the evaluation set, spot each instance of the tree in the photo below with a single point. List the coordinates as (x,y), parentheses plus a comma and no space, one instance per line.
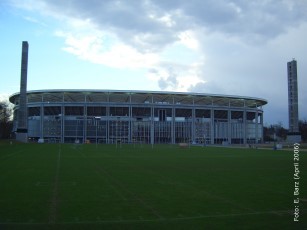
(6,123)
(268,134)
(280,134)
(275,132)
(303,129)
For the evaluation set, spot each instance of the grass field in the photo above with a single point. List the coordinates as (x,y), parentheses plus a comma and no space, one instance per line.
(66,186)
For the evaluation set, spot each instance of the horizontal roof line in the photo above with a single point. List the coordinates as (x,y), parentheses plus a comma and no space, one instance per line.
(141,92)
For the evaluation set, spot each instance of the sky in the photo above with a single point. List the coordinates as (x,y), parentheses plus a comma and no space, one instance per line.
(205,46)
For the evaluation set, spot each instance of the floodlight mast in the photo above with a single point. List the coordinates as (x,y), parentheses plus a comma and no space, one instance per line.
(22,128)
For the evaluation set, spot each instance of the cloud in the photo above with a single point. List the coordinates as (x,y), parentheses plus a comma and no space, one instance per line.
(189,39)
(213,46)
(33,20)
(172,76)
(251,20)
(168,82)
(152,25)
(98,49)
(206,87)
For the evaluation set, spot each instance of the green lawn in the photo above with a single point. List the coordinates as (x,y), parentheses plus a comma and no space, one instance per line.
(66,186)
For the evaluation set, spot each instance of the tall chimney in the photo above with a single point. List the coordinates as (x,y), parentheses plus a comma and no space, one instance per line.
(22,125)
(293,134)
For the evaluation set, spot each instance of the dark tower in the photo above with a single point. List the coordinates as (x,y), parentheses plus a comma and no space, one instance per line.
(293,135)
(22,124)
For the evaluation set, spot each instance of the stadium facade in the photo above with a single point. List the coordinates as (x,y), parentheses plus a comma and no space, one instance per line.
(112,116)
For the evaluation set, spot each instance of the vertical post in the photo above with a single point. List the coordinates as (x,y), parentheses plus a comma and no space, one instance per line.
(261,123)
(256,127)
(108,124)
(229,136)
(62,123)
(152,126)
(173,125)
(244,125)
(96,120)
(84,122)
(77,124)
(116,132)
(42,119)
(212,126)
(193,123)
(130,120)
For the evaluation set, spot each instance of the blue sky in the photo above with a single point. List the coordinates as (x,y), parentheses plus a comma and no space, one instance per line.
(207,46)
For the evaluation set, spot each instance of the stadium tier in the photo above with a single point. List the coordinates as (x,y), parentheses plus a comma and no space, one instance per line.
(113,116)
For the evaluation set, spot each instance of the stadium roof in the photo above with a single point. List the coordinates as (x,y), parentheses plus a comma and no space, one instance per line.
(138,96)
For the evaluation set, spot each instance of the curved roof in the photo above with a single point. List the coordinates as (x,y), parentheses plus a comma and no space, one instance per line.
(138,96)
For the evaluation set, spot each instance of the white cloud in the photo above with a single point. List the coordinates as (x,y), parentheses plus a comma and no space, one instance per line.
(188,38)
(33,20)
(96,49)
(174,77)
(246,44)
(166,19)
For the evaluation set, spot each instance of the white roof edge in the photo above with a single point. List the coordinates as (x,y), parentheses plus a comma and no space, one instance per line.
(141,92)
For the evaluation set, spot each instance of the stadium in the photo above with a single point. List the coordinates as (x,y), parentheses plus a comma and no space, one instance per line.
(149,117)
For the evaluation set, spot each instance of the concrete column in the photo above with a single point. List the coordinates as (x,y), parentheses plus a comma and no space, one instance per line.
(22,128)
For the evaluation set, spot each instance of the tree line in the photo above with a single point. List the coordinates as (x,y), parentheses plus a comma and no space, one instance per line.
(278,133)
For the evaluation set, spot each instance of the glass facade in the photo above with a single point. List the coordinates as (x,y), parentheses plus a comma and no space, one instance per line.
(149,118)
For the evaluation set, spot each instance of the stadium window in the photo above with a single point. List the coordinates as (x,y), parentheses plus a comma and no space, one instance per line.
(162,115)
